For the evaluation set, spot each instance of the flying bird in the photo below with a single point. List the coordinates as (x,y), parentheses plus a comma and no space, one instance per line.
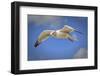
(63,33)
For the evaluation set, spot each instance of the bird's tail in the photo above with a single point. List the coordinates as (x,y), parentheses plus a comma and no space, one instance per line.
(36,43)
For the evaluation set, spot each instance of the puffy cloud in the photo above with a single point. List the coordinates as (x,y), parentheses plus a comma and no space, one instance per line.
(82,53)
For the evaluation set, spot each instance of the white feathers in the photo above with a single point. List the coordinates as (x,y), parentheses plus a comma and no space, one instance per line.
(69,27)
(63,33)
(57,31)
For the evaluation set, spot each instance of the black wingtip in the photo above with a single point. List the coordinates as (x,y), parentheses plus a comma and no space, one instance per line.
(36,44)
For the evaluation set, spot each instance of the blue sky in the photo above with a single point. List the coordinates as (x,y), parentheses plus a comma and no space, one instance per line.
(53,48)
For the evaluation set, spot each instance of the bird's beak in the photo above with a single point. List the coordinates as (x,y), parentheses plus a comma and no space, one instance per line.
(78,31)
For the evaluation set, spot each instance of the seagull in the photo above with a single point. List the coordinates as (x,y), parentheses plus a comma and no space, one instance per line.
(63,33)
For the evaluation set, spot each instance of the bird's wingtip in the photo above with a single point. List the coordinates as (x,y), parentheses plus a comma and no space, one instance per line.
(68,26)
(36,44)
(78,31)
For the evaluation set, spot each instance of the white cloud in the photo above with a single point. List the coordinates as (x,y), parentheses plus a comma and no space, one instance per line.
(82,53)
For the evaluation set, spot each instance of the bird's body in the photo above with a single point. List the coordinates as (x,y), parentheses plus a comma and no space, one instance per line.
(63,33)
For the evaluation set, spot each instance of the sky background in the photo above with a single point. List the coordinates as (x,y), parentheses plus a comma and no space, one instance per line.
(53,48)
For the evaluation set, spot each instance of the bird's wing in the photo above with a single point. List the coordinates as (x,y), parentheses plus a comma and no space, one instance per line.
(72,38)
(43,36)
(65,30)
